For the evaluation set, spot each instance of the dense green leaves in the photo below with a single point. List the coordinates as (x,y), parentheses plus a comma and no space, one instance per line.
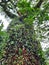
(32,13)
(22,43)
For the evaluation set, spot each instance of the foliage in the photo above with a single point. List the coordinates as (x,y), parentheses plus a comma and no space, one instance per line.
(22,46)
(3,39)
(47,52)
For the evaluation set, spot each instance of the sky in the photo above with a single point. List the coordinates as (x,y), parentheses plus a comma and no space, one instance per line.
(4,20)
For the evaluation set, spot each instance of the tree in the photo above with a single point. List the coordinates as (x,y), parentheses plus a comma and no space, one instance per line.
(22,45)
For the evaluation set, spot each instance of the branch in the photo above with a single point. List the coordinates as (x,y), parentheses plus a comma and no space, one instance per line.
(39,4)
(3,5)
(11,15)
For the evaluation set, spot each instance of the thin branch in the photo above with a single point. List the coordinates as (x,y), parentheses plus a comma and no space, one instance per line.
(39,4)
(3,5)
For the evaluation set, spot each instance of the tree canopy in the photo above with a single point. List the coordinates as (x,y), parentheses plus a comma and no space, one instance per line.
(22,46)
